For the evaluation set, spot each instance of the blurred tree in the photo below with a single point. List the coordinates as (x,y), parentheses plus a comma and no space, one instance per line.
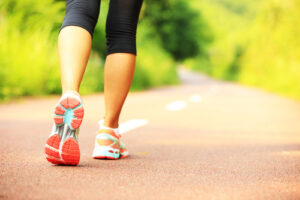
(99,39)
(34,16)
(181,29)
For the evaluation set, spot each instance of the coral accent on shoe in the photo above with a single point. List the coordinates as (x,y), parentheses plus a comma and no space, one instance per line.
(59,110)
(108,131)
(58,120)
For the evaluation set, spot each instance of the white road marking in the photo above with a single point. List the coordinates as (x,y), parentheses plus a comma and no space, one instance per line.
(195,98)
(132,124)
(176,105)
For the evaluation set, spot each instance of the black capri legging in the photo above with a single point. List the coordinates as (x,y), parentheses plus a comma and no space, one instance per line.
(121,23)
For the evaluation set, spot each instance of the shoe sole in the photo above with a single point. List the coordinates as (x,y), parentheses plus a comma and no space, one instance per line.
(104,152)
(124,154)
(62,147)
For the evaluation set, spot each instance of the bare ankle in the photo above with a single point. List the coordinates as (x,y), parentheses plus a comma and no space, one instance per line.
(112,123)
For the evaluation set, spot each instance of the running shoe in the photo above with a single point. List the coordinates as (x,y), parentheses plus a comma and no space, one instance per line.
(62,145)
(108,144)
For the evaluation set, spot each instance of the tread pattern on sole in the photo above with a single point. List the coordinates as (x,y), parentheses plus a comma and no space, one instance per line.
(70,154)
(69,104)
(68,112)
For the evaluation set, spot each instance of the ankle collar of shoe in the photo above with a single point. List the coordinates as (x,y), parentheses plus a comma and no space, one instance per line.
(72,93)
(116,130)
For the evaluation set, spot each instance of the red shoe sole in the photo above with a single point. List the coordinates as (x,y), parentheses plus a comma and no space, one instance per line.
(110,158)
(124,156)
(105,157)
(78,112)
(70,153)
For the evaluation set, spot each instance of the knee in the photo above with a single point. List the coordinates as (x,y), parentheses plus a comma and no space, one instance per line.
(121,39)
(82,13)
(121,26)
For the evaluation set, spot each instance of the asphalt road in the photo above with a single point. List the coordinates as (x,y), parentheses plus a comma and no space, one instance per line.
(204,139)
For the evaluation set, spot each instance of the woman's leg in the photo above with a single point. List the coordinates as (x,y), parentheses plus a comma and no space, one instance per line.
(74,47)
(121,28)
(118,75)
(75,41)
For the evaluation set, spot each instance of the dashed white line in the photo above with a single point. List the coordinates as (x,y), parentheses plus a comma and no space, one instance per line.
(176,105)
(195,98)
(132,124)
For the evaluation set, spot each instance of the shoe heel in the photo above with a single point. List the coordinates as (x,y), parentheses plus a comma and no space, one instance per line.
(51,149)
(70,152)
(104,152)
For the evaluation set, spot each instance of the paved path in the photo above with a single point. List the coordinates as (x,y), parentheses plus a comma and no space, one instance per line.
(204,139)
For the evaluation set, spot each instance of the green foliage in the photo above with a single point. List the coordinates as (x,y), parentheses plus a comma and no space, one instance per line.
(93,79)
(181,29)
(154,66)
(255,42)
(28,52)
(233,70)
(99,38)
(199,63)
(27,55)
(229,21)
(272,59)
(250,41)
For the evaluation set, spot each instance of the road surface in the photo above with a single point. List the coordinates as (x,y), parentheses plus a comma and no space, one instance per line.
(204,139)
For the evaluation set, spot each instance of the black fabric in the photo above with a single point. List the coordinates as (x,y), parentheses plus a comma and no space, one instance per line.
(121,23)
